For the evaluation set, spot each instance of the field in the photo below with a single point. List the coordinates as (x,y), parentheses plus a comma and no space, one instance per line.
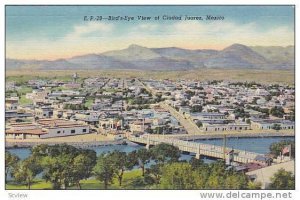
(262,76)
(131,180)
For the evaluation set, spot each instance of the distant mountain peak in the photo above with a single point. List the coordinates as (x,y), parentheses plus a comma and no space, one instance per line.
(135,46)
(237,56)
(236,46)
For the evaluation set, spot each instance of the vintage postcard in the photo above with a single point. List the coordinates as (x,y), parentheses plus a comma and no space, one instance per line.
(150,97)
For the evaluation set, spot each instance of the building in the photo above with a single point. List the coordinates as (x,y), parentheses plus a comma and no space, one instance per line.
(267,124)
(207,116)
(225,127)
(44,112)
(24,131)
(61,127)
(11,103)
(140,126)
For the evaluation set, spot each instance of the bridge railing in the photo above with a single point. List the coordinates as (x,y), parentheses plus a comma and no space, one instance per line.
(194,147)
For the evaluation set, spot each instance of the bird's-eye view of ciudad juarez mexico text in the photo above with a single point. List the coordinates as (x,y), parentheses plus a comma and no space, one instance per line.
(149,97)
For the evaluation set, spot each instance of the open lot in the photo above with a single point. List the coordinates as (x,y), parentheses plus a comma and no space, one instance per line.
(262,76)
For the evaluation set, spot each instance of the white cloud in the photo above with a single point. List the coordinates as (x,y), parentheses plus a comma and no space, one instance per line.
(145,27)
(84,30)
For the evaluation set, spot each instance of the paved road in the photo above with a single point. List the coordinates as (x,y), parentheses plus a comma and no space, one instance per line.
(190,126)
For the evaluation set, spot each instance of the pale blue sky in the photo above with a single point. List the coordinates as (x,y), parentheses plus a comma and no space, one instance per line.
(38,32)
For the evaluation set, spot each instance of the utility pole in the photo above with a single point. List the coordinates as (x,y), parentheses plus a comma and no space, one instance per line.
(290,151)
(224,147)
(143,125)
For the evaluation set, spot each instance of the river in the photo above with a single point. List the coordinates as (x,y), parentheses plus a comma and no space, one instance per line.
(258,145)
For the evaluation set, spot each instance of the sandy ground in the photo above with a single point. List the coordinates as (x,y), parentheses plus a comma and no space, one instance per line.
(248,132)
(92,138)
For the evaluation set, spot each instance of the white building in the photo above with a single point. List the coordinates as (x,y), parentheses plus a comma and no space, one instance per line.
(60,128)
(225,127)
(269,124)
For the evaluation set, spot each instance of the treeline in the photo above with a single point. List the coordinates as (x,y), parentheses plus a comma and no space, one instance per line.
(65,166)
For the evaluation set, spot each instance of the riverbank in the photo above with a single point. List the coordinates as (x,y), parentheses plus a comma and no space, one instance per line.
(87,140)
(244,134)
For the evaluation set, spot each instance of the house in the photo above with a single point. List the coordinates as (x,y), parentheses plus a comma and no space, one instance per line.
(225,127)
(184,110)
(266,124)
(110,123)
(140,126)
(38,96)
(206,116)
(61,127)
(17,115)
(11,103)
(24,131)
(44,112)
(88,117)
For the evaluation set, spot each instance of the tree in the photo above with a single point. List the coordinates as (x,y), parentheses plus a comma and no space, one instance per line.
(11,161)
(121,162)
(64,164)
(27,170)
(104,170)
(254,185)
(276,147)
(235,181)
(282,180)
(163,152)
(196,163)
(277,111)
(276,127)
(177,176)
(196,108)
(199,124)
(82,166)
(57,170)
(143,156)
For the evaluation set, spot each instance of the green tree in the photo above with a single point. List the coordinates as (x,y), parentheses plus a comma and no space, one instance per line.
(104,170)
(282,180)
(121,162)
(254,185)
(163,152)
(276,127)
(65,165)
(276,147)
(196,108)
(235,181)
(11,161)
(177,176)
(144,157)
(82,166)
(27,170)
(277,111)
(199,124)
(196,163)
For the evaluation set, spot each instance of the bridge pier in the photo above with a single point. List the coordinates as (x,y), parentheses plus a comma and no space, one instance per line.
(148,142)
(196,148)
(198,154)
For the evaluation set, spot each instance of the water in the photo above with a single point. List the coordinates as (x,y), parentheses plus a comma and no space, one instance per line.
(22,153)
(257,145)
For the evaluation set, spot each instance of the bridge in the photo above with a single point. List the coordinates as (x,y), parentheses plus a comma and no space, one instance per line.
(199,149)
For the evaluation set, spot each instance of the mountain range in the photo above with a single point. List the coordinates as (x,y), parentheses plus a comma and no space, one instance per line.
(236,56)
